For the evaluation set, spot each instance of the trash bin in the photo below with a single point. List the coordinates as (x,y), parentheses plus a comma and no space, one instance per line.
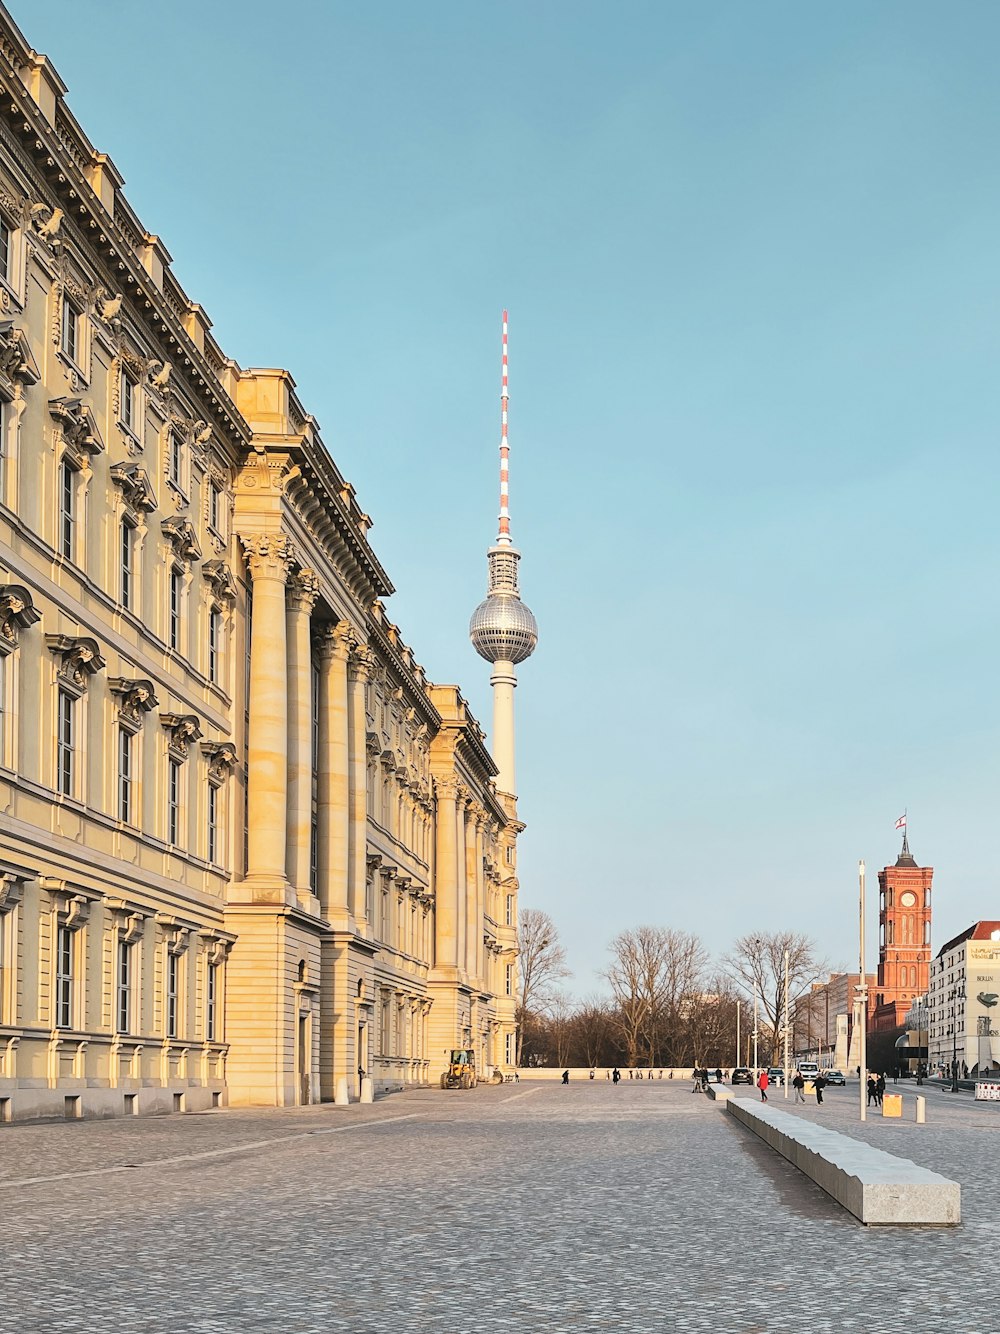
(892,1104)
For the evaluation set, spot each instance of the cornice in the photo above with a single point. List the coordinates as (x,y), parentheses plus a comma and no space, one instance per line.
(58,160)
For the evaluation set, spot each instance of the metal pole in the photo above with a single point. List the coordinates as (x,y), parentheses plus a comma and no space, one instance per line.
(787,1070)
(954,1040)
(739,1007)
(862,996)
(755,1068)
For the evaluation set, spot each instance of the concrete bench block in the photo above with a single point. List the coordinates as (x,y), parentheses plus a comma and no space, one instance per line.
(877,1187)
(719,1092)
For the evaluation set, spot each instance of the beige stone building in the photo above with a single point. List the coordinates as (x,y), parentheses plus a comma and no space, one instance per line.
(248,852)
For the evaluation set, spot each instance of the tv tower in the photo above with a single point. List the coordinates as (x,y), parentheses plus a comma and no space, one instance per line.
(502,629)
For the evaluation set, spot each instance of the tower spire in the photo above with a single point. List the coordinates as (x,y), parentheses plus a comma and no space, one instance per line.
(502,629)
(503,535)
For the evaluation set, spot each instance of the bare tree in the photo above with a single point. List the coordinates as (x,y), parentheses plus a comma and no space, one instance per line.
(655,972)
(542,962)
(757,963)
(593,1024)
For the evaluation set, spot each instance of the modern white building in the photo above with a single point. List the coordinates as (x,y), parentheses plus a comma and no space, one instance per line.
(963,1002)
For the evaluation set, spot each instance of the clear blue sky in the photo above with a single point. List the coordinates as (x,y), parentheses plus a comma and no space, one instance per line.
(750,255)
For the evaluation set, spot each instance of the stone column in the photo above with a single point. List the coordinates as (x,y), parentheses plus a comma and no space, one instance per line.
(359,673)
(481,894)
(462,896)
(446,875)
(473,908)
(301,595)
(333,646)
(268,560)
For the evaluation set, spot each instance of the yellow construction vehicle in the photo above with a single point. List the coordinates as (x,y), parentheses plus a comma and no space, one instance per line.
(461,1072)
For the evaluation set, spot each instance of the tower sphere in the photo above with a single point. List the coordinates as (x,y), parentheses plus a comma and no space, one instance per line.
(503,629)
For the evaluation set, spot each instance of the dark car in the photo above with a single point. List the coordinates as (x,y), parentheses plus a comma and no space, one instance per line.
(741,1075)
(834,1077)
(776,1075)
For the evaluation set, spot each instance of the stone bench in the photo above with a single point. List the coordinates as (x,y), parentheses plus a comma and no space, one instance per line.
(875,1186)
(719,1092)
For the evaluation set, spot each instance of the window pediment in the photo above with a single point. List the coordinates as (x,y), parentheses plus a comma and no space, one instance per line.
(17,612)
(182,729)
(77,427)
(135,698)
(16,360)
(220,577)
(180,533)
(134,485)
(81,658)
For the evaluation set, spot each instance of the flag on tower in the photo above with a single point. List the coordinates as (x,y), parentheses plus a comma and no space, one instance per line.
(901,822)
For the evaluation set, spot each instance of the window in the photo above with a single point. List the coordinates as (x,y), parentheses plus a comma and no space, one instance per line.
(510,855)
(176,602)
(67,510)
(173,802)
(210,1002)
(215,507)
(129,404)
(125,794)
(510,910)
(173,970)
(176,460)
(65,743)
(64,977)
(126,548)
(213,822)
(70,329)
(510,1049)
(6,249)
(214,644)
(509,980)
(124,986)
(4,421)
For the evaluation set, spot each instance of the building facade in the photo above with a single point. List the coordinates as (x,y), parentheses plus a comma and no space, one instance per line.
(962,1003)
(824,1027)
(248,852)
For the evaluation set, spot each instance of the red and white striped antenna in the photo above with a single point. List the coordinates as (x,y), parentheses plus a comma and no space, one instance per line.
(504,533)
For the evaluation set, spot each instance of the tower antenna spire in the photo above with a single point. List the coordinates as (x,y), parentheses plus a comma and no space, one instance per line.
(502,629)
(503,535)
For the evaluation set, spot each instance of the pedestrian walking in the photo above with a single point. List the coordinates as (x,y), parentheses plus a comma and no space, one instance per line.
(799,1085)
(872,1091)
(565,1077)
(718,1075)
(696,1080)
(616,1075)
(880,1088)
(592,1074)
(819,1084)
(762,1083)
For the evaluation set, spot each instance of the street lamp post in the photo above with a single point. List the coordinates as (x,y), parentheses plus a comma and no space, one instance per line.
(739,1007)
(861,1003)
(953,997)
(755,1069)
(787,1069)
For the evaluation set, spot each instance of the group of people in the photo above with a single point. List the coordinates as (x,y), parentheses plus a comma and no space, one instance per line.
(798,1082)
(876,1089)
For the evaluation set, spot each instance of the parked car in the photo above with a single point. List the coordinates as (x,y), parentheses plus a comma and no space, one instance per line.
(776,1075)
(834,1077)
(742,1075)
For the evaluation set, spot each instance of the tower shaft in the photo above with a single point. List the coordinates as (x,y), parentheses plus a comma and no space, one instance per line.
(503,679)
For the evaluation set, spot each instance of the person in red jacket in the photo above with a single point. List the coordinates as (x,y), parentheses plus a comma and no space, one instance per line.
(762,1083)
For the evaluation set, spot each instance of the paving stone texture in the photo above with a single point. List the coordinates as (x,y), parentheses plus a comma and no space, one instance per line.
(519,1208)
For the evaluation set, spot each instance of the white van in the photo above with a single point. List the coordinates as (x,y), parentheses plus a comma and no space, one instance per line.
(808,1069)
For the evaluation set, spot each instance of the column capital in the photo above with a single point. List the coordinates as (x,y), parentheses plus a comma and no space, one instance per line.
(268,555)
(302,591)
(334,639)
(446,788)
(362,664)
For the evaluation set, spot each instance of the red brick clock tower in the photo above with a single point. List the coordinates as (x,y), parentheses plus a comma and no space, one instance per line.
(904,955)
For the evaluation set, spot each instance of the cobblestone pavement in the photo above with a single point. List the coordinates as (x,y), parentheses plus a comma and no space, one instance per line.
(535,1207)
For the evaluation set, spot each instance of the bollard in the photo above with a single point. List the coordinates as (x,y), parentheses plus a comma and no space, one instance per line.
(921,1109)
(367,1089)
(340,1097)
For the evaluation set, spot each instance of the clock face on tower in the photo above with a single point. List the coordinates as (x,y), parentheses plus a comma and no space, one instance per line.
(908,899)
